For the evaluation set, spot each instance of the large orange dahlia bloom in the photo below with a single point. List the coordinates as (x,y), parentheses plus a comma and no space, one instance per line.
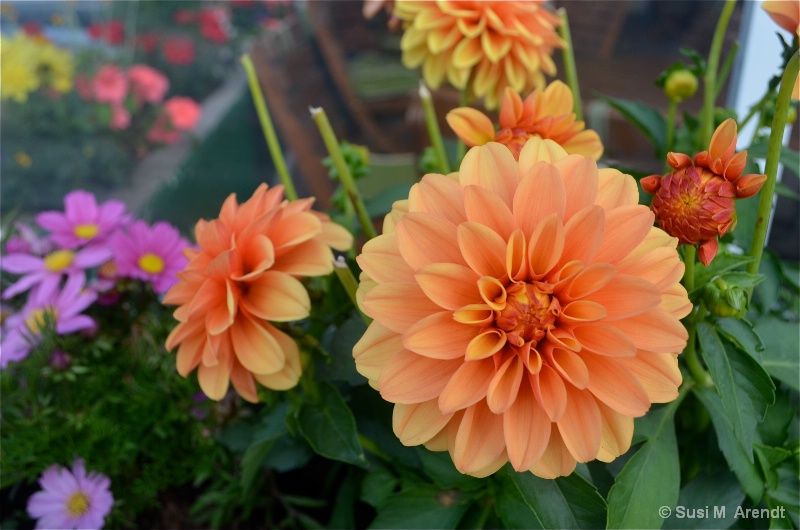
(545,113)
(695,203)
(243,276)
(481,44)
(524,311)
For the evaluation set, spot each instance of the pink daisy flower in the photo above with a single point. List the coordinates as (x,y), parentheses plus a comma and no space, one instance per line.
(153,254)
(110,85)
(71,499)
(62,309)
(27,241)
(83,220)
(47,272)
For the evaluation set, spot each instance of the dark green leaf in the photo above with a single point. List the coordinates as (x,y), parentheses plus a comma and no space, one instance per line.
(344,515)
(781,344)
(742,279)
(271,428)
(736,456)
(527,501)
(746,215)
(767,292)
(744,386)
(774,430)
(377,486)
(789,157)
(716,492)
(306,502)
(769,458)
(330,427)
(439,466)
(635,497)
(341,366)
(252,463)
(645,118)
(721,264)
(423,506)
(741,333)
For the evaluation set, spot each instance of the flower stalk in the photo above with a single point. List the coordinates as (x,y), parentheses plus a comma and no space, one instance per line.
(773,158)
(345,176)
(710,79)
(570,69)
(433,127)
(350,284)
(690,353)
(672,110)
(461,147)
(269,130)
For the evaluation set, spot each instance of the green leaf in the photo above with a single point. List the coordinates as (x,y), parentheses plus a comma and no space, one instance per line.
(781,344)
(378,485)
(769,458)
(636,496)
(717,492)
(341,366)
(424,506)
(789,157)
(272,428)
(742,279)
(722,263)
(645,118)
(527,501)
(744,386)
(742,334)
(439,466)
(330,427)
(738,459)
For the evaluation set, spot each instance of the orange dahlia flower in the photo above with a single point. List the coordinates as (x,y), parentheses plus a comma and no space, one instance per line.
(544,114)
(524,311)
(786,14)
(480,44)
(695,202)
(243,276)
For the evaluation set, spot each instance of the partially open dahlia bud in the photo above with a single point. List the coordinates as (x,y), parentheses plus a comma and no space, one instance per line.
(695,202)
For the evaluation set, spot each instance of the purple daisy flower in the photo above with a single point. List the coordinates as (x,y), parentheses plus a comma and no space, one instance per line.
(47,271)
(83,221)
(71,499)
(153,254)
(62,309)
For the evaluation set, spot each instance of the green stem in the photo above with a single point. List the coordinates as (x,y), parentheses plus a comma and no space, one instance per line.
(350,285)
(773,158)
(726,67)
(269,130)
(373,448)
(710,84)
(570,70)
(690,353)
(461,147)
(754,109)
(433,127)
(671,112)
(345,176)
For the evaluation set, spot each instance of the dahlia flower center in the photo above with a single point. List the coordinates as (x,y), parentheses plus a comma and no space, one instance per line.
(59,260)
(77,504)
(151,264)
(530,311)
(86,231)
(38,319)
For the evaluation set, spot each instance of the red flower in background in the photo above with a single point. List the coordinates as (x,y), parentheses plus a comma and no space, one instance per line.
(178,50)
(183,112)
(110,85)
(147,42)
(148,84)
(112,32)
(32,28)
(214,24)
(184,16)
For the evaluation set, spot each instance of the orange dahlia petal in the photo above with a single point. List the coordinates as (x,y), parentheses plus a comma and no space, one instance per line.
(472,126)
(398,305)
(556,461)
(540,193)
(482,249)
(449,285)
(411,378)
(417,423)
(616,386)
(439,336)
(526,429)
(255,345)
(580,182)
(479,447)
(580,426)
(424,238)
(276,296)
(616,433)
(467,385)
(487,208)
(550,392)
(492,167)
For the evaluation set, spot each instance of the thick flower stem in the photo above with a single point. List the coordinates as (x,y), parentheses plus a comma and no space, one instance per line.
(345,176)
(570,70)
(710,80)
(690,353)
(771,167)
(433,127)
(269,131)
(461,147)
(350,284)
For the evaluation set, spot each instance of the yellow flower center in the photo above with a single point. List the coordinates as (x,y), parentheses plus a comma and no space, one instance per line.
(530,311)
(151,263)
(39,319)
(86,231)
(77,504)
(59,260)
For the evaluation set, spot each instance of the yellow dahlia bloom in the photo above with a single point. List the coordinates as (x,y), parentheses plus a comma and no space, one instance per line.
(524,311)
(55,67)
(18,76)
(243,276)
(484,45)
(545,113)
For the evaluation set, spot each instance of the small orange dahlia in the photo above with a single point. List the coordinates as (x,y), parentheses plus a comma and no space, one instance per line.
(243,276)
(481,44)
(544,114)
(786,14)
(524,311)
(695,202)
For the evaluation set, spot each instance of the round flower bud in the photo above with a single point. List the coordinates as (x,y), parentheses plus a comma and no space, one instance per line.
(680,85)
(724,300)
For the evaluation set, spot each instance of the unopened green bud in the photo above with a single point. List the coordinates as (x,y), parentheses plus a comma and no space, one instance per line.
(680,85)
(724,299)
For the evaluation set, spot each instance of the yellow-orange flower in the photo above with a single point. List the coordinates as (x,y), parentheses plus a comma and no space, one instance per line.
(480,44)
(786,14)
(524,311)
(242,277)
(695,202)
(545,113)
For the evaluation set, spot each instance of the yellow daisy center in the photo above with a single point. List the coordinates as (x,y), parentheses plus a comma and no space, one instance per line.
(77,504)
(59,260)
(151,263)
(86,231)
(38,319)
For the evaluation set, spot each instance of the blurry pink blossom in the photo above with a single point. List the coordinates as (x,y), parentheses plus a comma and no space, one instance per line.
(183,112)
(178,50)
(120,118)
(110,85)
(148,84)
